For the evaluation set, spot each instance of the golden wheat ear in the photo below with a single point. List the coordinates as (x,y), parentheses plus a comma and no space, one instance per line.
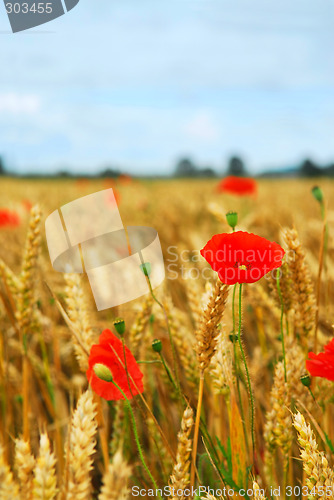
(9,490)
(278,427)
(301,291)
(180,477)
(208,332)
(45,481)
(79,461)
(116,479)
(24,465)
(77,313)
(315,464)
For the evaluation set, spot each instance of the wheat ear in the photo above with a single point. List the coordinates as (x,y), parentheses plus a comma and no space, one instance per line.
(81,448)
(115,479)
(24,465)
(9,490)
(45,481)
(315,464)
(180,475)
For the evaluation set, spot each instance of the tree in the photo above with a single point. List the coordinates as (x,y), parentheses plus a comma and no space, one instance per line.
(185,168)
(109,172)
(310,169)
(2,166)
(236,166)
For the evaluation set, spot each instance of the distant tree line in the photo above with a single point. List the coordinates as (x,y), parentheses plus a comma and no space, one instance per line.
(236,166)
(185,167)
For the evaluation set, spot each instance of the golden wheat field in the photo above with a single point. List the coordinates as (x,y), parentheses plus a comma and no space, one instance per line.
(59,439)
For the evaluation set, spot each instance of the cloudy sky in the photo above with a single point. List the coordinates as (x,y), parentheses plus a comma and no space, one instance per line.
(141,83)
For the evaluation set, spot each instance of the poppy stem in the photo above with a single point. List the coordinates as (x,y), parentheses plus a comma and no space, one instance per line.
(126,366)
(170,376)
(197,422)
(135,431)
(236,365)
(281,321)
(169,334)
(165,440)
(250,392)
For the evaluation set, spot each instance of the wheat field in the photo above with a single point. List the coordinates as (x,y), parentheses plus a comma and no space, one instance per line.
(58,439)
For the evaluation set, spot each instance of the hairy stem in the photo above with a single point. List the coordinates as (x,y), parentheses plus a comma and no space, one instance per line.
(250,392)
(135,431)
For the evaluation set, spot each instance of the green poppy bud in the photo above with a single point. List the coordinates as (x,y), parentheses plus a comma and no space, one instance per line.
(233,338)
(103,372)
(232,219)
(305,380)
(318,194)
(146,268)
(157,345)
(119,325)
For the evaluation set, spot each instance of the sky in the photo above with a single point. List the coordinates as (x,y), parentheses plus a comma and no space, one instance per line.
(139,84)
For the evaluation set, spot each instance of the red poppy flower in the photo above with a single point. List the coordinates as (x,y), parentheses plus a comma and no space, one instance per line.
(240,186)
(242,257)
(322,364)
(125,179)
(27,205)
(8,218)
(109,353)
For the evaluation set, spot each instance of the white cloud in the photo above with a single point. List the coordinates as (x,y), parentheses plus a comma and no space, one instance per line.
(14,103)
(202,127)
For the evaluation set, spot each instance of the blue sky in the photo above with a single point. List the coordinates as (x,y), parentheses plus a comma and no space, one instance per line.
(140,83)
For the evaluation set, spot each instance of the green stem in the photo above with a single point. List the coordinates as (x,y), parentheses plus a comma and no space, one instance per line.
(281,321)
(170,376)
(135,431)
(149,361)
(250,392)
(126,366)
(236,364)
(169,334)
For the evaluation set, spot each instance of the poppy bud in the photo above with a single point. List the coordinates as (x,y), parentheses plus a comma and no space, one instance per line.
(305,380)
(233,338)
(103,372)
(232,219)
(146,268)
(318,194)
(157,345)
(119,325)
